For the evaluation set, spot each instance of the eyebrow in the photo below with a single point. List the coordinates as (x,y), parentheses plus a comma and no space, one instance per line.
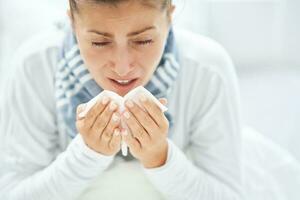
(129,34)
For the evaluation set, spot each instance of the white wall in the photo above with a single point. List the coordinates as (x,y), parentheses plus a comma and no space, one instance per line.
(292,30)
(20,20)
(253,31)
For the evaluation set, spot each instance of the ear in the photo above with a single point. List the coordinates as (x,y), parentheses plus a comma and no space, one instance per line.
(171,12)
(71,18)
(69,13)
(172,9)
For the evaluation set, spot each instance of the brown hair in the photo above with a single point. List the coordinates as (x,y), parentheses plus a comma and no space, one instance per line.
(151,3)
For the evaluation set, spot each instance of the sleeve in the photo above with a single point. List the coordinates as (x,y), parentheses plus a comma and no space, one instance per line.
(211,167)
(31,164)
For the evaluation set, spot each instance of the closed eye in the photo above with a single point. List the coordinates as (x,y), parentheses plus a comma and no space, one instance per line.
(144,42)
(100,44)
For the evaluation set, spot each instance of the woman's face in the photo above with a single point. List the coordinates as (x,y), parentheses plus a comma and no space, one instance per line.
(121,43)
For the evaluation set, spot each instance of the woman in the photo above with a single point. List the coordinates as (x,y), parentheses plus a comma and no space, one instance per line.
(191,152)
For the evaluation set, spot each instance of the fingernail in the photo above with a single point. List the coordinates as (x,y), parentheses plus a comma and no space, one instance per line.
(105,100)
(117,132)
(82,106)
(112,106)
(164,99)
(124,132)
(142,97)
(115,117)
(129,103)
(127,115)
(81,115)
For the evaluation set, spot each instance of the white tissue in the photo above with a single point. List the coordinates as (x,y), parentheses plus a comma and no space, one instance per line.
(132,95)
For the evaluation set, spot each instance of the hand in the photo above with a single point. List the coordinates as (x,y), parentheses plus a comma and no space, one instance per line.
(100,127)
(147,134)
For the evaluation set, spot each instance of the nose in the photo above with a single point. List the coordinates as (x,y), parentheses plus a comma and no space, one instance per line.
(122,64)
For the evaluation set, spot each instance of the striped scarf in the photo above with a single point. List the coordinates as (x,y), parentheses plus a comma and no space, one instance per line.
(74,84)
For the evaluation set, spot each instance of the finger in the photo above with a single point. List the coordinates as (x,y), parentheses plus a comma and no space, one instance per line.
(154,111)
(132,142)
(109,129)
(136,129)
(95,111)
(103,119)
(142,117)
(163,101)
(115,142)
(79,109)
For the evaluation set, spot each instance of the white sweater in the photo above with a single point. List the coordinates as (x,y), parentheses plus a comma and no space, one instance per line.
(39,161)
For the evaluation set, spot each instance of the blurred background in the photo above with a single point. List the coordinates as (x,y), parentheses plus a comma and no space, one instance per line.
(262,37)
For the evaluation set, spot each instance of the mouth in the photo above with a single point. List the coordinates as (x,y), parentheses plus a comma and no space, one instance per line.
(123,86)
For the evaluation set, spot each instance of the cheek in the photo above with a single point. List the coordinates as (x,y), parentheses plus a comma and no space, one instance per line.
(151,56)
(93,59)
(149,60)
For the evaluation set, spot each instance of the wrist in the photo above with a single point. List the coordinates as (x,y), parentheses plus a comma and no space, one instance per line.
(158,159)
(79,147)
